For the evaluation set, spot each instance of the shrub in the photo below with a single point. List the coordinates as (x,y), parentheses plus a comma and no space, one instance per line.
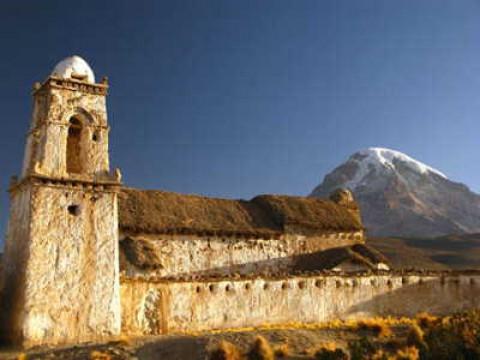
(329,353)
(415,335)
(408,353)
(361,349)
(380,355)
(98,355)
(455,337)
(425,320)
(261,350)
(225,351)
(282,351)
(378,326)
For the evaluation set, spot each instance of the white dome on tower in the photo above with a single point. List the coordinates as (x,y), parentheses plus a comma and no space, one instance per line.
(74,67)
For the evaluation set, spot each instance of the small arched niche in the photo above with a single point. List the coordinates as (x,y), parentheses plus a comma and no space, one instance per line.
(74,146)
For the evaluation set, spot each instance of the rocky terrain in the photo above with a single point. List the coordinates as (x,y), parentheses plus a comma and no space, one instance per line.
(400,196)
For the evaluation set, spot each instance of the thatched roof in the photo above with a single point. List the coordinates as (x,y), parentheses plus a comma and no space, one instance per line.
(149,211)
(305,215)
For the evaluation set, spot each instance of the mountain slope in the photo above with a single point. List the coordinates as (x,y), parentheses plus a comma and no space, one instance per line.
(458,252)
(400,196)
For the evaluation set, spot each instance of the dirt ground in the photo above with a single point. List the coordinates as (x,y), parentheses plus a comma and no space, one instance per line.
(299,342)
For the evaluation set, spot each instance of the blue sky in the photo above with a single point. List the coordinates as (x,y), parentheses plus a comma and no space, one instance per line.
(236,98)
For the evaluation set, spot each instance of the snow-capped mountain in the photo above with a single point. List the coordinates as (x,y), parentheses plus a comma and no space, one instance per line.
(400,196)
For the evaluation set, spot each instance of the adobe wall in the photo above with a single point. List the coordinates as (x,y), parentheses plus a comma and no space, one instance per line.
(186,255)
(165,307)
(14,259)
(70,285)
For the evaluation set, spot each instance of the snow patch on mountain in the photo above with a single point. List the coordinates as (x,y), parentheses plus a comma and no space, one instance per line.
(400,196)
(375,157)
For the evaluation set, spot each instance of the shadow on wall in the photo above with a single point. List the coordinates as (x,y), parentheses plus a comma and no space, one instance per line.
(316,261)
(439,296)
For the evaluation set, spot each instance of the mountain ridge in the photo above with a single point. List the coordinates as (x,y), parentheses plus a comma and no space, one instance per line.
(401,196)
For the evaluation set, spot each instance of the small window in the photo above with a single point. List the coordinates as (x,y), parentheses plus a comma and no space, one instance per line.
(96,136)
(74,159)
(74,210)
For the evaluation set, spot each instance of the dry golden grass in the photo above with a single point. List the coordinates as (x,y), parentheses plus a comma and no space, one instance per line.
(331,345)
(330,351)
(336,324)
(353,324)
(425,319)
(22,356)
(380,355)
(378,326)
(282,350)
(311,351)
(125,340)
(415,335)
(225,351)
(408,353)
(98,355)
(261,350)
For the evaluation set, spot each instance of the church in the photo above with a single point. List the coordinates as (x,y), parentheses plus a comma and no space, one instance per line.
(88,258)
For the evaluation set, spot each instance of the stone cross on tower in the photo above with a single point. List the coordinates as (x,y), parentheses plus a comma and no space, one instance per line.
(61,278)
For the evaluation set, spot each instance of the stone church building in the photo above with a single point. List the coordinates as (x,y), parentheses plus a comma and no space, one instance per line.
(88,258)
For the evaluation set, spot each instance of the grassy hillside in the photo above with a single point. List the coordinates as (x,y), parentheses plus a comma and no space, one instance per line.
(446,252)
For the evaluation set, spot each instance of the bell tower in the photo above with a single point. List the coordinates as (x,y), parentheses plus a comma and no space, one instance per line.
(61,277)
(68,137)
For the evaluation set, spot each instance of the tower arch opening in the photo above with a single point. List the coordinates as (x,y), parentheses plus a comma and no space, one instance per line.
(74,146)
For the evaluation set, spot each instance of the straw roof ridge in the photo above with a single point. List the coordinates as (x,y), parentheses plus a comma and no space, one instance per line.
(308,212)
(153,211)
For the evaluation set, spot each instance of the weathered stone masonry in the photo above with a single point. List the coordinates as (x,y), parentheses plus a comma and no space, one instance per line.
(161,307)
(87,259)
(61,252)
(187,255)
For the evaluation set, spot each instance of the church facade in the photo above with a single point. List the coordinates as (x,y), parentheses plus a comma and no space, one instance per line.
(87,258)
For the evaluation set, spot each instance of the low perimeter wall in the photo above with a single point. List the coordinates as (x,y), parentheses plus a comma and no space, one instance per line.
(162,307)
